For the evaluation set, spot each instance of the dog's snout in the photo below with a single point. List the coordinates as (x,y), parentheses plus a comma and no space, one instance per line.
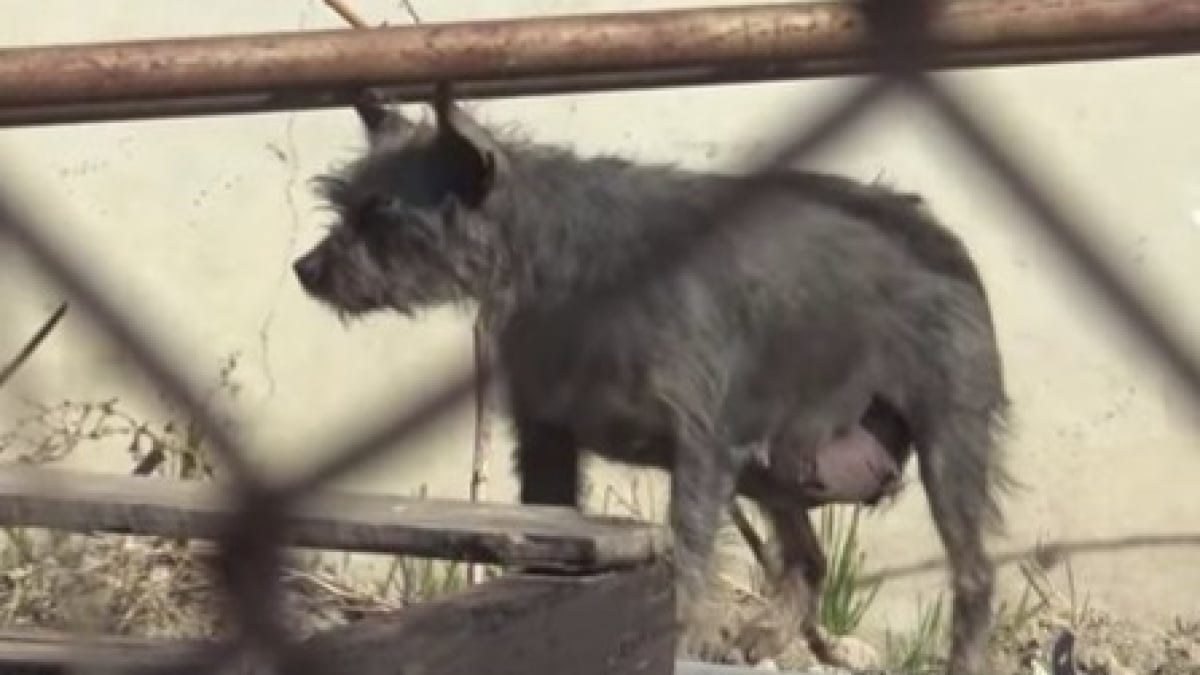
(308,271)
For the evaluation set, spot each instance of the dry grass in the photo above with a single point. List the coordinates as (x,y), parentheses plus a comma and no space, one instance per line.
(1105,643)
(156,587)
(153,587)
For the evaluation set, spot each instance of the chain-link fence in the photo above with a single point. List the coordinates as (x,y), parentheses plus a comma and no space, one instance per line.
(904,46)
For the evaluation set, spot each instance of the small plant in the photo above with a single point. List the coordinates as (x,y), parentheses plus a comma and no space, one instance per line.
(108,582)
(175,448)
(1080,607)
(1037,579)
(919,652)
(417,580)
(845,598)
(1011,619)
(158,587)
(631,504)
(413,580)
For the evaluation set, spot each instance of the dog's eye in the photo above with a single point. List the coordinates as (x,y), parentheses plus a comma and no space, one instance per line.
(370,208)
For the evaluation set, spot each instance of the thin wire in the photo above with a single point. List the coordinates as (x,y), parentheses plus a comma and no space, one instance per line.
(24,229)
(1054,221)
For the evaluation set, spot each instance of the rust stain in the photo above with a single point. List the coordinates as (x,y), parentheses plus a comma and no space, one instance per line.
(553,47)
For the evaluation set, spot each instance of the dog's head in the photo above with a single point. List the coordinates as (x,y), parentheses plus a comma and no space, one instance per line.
(412,227)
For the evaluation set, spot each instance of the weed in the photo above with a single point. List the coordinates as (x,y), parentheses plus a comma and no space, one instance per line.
(845,598)
(413,579)
(1013,618)
(918,653)
(156,587)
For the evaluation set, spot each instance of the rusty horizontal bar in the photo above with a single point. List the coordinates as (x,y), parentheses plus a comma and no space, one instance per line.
(600,51)
(645,79)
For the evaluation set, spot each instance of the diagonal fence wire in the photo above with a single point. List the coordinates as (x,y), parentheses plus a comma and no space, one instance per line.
(1063,228)
(23,228)
(250,552)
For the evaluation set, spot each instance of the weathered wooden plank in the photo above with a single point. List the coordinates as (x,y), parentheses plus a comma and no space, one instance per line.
(47,652)
(612,623)
(618,622)
(542,537)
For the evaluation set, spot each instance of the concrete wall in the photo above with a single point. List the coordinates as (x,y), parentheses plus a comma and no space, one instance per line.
(193,224)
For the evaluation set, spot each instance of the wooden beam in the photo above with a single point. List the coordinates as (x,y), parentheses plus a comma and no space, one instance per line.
(613,623)
(542,537)
(49,652)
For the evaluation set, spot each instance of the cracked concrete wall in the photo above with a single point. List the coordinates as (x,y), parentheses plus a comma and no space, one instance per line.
(192,225)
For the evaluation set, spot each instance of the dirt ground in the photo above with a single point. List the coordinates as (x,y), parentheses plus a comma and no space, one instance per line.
(1104,644)
(1107,645)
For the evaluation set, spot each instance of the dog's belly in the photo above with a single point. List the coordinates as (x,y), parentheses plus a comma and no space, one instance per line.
(612,427)
(620,422)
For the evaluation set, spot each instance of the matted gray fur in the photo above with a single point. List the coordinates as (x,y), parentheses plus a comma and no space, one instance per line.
(828,306)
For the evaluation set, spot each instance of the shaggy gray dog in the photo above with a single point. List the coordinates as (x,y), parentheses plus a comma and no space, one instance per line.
(799,357)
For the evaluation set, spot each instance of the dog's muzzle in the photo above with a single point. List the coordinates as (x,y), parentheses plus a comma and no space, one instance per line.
(310,271)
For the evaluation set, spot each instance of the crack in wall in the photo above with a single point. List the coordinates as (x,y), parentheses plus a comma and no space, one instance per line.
(289,157)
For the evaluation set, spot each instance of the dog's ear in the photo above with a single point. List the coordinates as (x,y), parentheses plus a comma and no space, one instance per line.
(379,122)
(475,159)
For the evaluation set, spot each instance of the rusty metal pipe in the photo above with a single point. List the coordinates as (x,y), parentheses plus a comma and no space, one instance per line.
(320,68)
(472,89)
